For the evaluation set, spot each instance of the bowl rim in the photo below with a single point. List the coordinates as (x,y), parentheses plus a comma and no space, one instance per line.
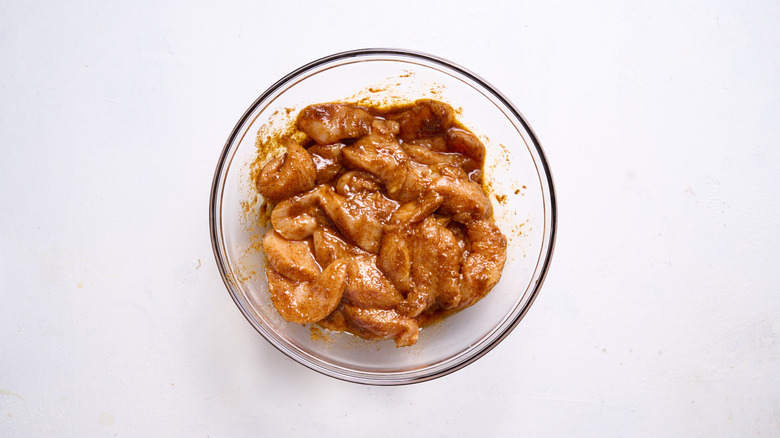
(396,377)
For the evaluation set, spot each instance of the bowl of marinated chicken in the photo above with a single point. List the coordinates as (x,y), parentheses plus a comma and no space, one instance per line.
(383,216)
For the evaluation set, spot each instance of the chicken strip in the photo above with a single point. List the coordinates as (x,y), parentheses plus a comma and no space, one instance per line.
(327,161)
(329,246)
(464,200)
(359,218)
(356,181)
(436,144)
(423,155)
(291,258)
(426,118)
(287,175)
(382,324)
(423,261)
(331,122)
(367,287)
(380,156)
(296,218)
(308,301)
(463,142)
(482,268)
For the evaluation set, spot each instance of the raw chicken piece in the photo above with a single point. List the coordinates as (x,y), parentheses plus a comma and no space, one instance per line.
(308,301)
(360,217)
(380,156)
(435,269)
(482,267)
(384,127)
(331,122)
(426,118)
(423,155)
(297,218)
(406,180)
(382,324)
(466,143)
(329,247)
(464,200)
(415,211)
(327,160)
(291,258)
(395,252)
(287,175)
(436,144)
(336,321)
(423,261)
(367,287)
(395,259)
(356,181)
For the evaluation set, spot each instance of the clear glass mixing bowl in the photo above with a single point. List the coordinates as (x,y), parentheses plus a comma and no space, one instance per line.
(516,174)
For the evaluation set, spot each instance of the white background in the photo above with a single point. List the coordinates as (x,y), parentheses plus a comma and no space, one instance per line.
(661,312)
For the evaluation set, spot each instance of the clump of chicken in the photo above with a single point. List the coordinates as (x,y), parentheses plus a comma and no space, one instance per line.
(380,220)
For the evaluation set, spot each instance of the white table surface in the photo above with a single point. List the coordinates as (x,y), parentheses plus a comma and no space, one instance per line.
(660,315)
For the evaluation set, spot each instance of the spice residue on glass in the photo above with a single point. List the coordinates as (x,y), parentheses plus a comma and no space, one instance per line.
(380,221)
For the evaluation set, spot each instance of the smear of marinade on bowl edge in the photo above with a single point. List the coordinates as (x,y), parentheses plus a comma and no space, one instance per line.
(380,221)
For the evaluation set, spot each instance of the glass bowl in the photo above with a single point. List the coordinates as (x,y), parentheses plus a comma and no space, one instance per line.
(517,178)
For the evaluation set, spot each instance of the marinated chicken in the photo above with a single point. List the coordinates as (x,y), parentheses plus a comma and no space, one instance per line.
(380,222)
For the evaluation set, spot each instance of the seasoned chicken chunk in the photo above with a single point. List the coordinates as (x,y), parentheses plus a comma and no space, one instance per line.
(395,259)
(464,200)
(355,181)
(407,180)
(426,118)
(307,301)
(329,246)
(423,261)
(287,175)
(463,142)
(415,211)
(383,324)
(484,263)
(436,271)
(327,161)
(367,287)
(291,258)
(385,127)
(380,156)
(436,144)
(424,155)
(395,254)
(331,122)
(296,218)
(359,217)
